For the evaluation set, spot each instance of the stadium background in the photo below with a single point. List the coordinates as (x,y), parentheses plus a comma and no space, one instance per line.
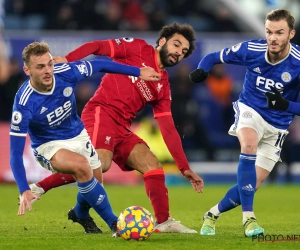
(202,113)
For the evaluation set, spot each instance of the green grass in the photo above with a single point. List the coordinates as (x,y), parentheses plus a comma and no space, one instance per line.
(47,227)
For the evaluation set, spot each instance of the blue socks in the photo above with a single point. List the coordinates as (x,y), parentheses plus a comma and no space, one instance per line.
(246,177)
(230,200)
(92,194)
(82,207)
(244,190)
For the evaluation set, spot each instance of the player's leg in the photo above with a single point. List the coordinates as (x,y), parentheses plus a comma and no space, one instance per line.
(90,191)
(144,161)
(246,176)
(230,201)
(101,129)
(249,130)
(51,181)
(106,157)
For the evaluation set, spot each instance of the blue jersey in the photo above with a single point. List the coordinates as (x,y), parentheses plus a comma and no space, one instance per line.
(261,74)
(53,116)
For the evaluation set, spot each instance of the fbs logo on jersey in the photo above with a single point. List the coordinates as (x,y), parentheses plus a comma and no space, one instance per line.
(59,114)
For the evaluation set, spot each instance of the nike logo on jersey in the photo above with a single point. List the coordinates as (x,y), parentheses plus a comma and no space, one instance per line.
(43,110)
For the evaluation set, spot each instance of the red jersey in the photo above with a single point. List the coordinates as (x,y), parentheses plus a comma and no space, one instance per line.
(122,96)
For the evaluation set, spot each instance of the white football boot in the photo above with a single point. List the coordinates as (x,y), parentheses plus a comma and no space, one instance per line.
(173,226)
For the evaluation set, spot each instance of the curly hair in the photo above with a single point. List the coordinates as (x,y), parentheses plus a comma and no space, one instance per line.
(185,30)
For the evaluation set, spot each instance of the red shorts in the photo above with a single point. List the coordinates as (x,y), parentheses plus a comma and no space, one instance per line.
(106,133)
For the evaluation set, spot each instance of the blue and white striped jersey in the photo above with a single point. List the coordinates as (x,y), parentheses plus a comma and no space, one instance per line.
(261,74)
(50,116)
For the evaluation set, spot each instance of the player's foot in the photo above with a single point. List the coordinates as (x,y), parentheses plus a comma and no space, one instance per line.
(209,224)
(88,224)
(114,230)
(172,226)
(252,228)
(36,190)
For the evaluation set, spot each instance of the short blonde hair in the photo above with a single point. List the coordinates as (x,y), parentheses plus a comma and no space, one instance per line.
(35,48)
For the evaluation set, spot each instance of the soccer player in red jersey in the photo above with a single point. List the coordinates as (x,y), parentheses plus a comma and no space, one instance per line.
(108,115)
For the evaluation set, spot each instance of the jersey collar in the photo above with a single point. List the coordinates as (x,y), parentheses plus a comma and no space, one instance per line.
(44,93)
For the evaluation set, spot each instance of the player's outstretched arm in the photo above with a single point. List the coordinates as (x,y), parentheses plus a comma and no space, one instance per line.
(204,66)
(17,145)
(149,74)
(173,143)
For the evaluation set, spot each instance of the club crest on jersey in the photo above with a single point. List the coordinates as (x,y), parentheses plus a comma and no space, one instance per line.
(159,86)
(82,69)
(247,114)
(236,47)
(107,140)
(68,91)
(286,77)
(16,117)
(128,39)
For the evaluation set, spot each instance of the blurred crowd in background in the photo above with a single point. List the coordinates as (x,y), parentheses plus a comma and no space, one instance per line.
(202,113)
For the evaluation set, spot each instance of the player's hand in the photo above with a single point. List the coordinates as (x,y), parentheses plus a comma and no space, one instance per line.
(59,59)
(195,180)
(276,101)
(198,75)
(25,201)
(149,74)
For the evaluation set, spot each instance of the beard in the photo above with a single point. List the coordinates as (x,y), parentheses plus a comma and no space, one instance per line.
(280,49)
(164,57)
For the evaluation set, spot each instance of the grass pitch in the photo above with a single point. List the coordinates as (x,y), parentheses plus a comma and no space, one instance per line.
(47,227)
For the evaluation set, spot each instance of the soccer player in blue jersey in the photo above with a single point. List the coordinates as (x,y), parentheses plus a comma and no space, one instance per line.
(45,108)
(272,63)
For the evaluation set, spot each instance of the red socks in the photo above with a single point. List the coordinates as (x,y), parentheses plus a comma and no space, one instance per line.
(157,192)
(55,180)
